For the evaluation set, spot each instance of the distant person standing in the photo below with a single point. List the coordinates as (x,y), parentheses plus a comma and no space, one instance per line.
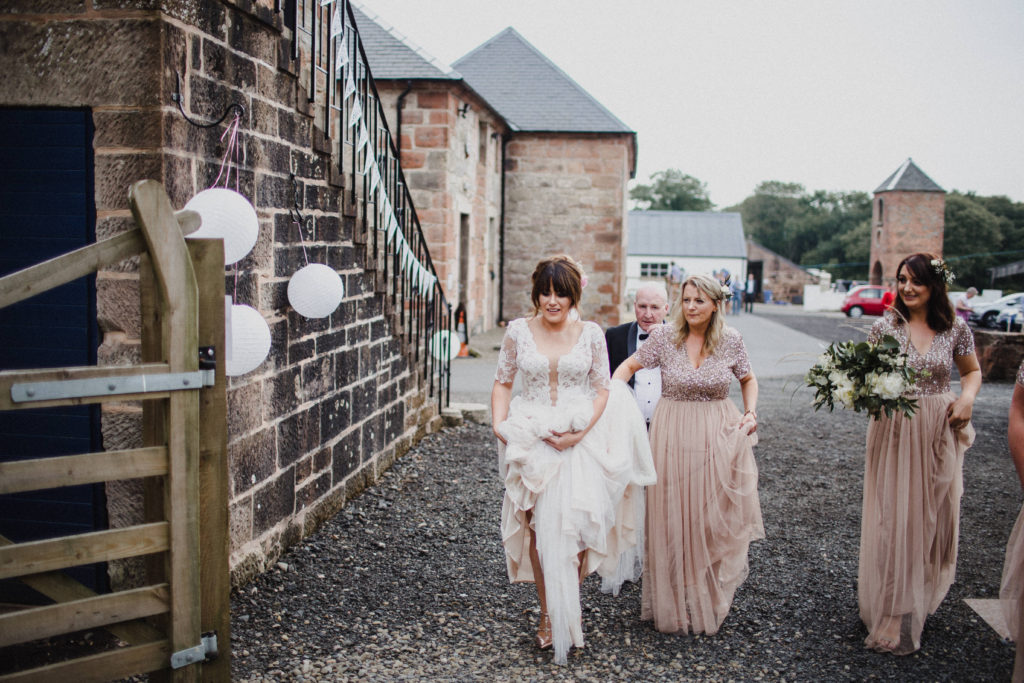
(889,296)
(737,295)
(650,307)
(675,273)
(963,304)
(748,294)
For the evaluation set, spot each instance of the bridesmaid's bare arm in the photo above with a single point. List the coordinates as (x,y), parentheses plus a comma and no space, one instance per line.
(1015,431)
(959,411)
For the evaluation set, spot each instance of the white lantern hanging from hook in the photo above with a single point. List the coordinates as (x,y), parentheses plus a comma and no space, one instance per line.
(228,215)
(248,341)
(315,291)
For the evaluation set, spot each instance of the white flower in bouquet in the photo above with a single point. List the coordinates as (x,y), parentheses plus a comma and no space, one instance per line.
(845,391)
(887,386)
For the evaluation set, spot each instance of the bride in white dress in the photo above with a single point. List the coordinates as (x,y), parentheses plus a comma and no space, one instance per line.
(573,453)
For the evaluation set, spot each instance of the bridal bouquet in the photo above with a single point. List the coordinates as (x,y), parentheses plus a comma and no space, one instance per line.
(864,376)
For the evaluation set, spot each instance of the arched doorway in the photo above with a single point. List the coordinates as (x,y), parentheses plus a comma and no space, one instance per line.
(876,273)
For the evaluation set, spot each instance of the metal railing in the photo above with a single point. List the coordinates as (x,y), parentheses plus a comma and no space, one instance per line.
(368,160)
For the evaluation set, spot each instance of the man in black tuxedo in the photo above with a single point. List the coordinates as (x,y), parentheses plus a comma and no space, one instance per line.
(651,307)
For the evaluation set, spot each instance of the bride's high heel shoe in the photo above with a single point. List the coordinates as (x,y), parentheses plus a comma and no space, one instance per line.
(544,632)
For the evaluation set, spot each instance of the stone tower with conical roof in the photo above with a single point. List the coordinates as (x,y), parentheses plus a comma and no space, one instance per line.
(908,216)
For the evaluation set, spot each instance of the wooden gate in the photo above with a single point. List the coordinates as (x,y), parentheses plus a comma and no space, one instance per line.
(178,624)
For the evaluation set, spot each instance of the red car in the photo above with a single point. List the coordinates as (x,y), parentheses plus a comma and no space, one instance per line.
(864,300)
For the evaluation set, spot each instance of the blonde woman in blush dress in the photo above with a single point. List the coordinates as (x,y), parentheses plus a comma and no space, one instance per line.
(704,511)
(573,455)
(1012,591)
(913,476)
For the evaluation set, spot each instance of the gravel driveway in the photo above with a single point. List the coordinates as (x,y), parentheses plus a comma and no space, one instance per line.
(408,582)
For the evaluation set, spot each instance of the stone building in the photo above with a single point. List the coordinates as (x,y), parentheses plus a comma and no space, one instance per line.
(339,397)
(777,274)
(451,150)
(908,216)
(519,162)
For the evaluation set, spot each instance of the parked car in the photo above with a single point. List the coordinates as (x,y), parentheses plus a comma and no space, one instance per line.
(864,300)
(1010,320)
(985,315)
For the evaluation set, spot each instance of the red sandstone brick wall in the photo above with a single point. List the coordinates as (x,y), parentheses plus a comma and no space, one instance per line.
(567,193)
(910,222)
(452,172)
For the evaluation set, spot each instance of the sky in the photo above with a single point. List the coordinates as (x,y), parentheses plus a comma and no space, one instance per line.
(831,94)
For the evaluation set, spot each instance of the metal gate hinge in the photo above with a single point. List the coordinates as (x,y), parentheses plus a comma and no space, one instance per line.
(205,376)
(203,652)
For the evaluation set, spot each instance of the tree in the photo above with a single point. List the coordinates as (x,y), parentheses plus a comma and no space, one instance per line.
(972,231)
(672,190)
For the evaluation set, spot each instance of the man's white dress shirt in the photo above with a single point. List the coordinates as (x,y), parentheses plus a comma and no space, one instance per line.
(646,385)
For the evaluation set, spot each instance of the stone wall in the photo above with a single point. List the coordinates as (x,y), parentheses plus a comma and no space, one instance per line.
(451,159)
(904,223)
(567,193)
(338,399)
(999,354)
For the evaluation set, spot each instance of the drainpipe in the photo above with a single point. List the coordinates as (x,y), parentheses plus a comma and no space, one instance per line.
(501,237)
(398,118)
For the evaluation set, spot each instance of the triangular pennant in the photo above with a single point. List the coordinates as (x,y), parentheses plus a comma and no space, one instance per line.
(336,28)
(374,178)
(357,114)
(370,161)
(391,229)
(341,59)
(350,81)
(363,138)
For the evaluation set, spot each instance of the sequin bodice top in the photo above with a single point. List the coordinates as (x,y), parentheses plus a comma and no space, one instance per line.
(938,360)
(680,381)
(1020,374)
(581,371)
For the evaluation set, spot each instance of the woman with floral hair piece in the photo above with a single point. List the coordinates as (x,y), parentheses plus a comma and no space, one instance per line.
(704,511)
(573,454)
(913,473)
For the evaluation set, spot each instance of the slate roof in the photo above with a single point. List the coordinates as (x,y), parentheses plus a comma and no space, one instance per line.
(686,233)
(392,55)
(908,178)
(530,92)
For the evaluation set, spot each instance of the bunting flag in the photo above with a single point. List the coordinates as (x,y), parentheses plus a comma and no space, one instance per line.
(363,138)
(374,178)
(357,114)
(350,83)
(370,161)
(341,56)
(336,27)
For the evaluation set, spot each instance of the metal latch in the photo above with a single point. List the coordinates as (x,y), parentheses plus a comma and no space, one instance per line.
(205,376)
(203,652)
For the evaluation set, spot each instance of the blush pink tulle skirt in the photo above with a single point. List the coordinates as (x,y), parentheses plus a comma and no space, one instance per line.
(701,515)
(913,480)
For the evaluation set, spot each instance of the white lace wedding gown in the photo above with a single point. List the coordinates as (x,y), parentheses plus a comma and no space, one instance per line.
(587,497)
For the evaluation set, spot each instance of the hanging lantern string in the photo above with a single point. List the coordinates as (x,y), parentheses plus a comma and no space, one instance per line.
(298,220)
(231,154)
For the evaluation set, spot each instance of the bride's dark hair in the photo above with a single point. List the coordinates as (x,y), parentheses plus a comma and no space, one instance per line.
(560,274)
(940,315)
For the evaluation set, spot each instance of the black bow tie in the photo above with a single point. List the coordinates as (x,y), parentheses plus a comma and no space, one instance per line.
(644,335)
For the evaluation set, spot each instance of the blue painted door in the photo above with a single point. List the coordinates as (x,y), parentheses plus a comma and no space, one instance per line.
(46,209)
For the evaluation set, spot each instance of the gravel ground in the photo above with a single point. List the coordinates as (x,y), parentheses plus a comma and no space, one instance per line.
(408,581)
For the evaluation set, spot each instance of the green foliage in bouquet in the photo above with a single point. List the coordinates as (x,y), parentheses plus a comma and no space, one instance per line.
(864,376)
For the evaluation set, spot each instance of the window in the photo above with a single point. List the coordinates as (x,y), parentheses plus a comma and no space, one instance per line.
(653,270)
(881,208)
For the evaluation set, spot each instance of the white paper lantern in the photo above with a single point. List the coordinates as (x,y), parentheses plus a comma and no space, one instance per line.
(444,342)
(315,291)
(229,216)
(249,342)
